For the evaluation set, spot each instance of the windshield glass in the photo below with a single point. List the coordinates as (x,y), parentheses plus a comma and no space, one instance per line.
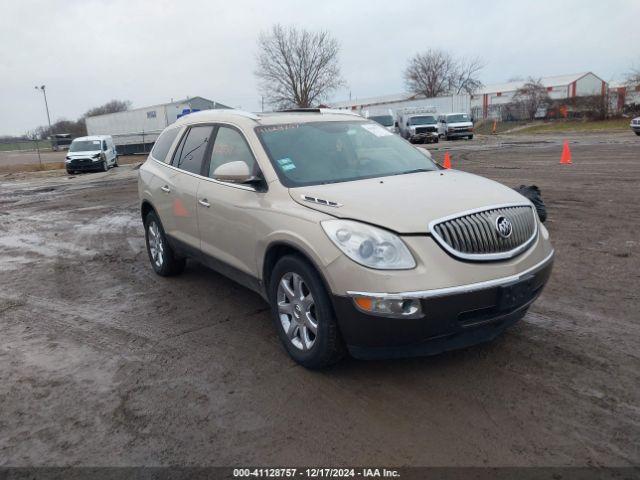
(84,145)
(384,120)
(329,152)
(423,120)
(460,117)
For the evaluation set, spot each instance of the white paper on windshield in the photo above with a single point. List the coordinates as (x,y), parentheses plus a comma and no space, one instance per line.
(377,130)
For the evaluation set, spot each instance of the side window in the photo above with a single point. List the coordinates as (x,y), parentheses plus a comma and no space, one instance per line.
(163,144)
(230,146)
(190,154)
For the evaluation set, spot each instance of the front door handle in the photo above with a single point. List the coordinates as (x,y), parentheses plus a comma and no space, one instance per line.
(204,202)
(165,189)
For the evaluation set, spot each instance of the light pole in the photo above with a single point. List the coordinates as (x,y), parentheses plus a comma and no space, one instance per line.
(46,105)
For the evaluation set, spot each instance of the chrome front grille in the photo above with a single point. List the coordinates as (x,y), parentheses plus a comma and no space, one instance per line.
(475,235)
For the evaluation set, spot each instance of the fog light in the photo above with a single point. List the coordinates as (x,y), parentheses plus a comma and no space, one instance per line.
(389,307)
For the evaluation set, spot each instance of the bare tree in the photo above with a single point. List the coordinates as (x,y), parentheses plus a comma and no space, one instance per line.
(429,73)
(296,67)
(531,96)
(435,73)
(110,107)
(464,77)
(632,78)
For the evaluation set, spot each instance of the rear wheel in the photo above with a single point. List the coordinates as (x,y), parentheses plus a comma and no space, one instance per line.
(163,259)
(303,314)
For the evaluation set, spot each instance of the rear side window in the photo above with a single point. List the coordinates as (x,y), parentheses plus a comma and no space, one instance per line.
(190,153)
(230,146)
(163,144)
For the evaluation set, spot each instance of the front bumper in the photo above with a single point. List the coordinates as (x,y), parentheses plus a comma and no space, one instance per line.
(459,133)
(81,164)
(635,128)
(452,318)
(425,136)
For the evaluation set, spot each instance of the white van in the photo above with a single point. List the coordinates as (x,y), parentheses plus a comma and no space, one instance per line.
(384,118)
(455,125)
(97,152)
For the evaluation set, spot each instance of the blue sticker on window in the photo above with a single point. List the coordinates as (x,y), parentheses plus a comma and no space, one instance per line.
(287,167)
(285,161)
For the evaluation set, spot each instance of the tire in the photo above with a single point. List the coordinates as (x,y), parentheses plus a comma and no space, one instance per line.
(437,139)
(533,193)
(163,259)
(70,172)
(310,349)
(105,166)
(470,137)
(638,133)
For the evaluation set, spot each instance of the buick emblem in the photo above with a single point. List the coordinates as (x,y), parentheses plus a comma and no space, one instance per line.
(504,226)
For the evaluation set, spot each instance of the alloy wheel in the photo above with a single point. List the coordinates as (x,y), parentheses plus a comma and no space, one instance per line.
(297,311)
(156,244)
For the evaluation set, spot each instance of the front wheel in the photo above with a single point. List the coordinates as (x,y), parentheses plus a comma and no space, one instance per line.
(303,314)
(638,133)
(470,137)
(105,166)
(163,259)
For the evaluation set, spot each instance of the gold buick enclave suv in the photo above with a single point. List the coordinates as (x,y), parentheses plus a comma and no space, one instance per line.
(357,239)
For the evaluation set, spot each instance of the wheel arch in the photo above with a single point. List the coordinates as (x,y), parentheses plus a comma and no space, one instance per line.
(280,248)
(145,208)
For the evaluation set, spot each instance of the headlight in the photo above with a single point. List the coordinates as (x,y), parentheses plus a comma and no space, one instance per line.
(369,246)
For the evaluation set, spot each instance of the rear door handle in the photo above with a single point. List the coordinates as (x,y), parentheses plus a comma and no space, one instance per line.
(204,202)
(165,189)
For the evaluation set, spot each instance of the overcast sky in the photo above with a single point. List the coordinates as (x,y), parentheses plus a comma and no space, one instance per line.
(89,52)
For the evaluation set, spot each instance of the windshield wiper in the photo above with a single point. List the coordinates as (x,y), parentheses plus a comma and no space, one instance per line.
(415,170)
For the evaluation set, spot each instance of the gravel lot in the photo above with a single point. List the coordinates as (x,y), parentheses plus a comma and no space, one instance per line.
(104,363)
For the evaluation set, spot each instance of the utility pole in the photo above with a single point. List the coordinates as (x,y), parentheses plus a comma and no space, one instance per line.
(46,105)
(262,100)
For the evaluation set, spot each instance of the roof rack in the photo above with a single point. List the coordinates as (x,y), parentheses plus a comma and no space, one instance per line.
(319,110)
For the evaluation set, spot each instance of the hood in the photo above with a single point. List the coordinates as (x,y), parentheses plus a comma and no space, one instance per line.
(460,124)
(407,203)
(87,153)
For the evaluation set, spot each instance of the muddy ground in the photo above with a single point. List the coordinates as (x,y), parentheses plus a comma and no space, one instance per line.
(104,363)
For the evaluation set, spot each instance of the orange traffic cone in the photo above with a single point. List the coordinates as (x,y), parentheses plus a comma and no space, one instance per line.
(447,160)
(495,127)
(565,158)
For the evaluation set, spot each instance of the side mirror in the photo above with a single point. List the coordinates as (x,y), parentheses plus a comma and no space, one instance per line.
(396,124)
(234,172)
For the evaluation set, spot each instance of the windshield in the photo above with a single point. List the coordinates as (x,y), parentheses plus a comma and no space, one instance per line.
(460,117)
(384,120)
(84,145)
(423,120)
(328,152)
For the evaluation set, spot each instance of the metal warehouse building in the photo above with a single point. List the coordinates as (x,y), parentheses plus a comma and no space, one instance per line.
(487,101)
(135,131)
(559,87)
